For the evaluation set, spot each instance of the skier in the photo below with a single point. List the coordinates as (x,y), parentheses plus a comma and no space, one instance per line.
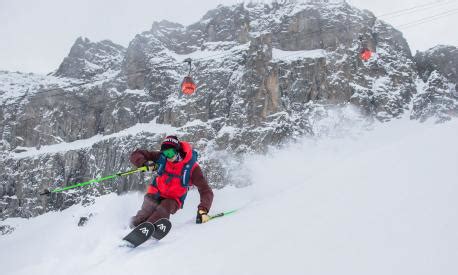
(177,169)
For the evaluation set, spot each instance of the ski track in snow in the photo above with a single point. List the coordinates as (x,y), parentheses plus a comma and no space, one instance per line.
(383,202)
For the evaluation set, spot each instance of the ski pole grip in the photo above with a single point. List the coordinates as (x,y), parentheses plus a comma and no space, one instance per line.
(151,166)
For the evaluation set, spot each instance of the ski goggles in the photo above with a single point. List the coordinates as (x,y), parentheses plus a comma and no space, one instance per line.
(169,153)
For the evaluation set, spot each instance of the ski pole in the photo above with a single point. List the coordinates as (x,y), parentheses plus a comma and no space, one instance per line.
(96,180)
(222,214)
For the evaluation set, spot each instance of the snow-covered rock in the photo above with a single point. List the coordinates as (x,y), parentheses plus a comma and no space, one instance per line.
(88,59)
(438,99)
(442,58)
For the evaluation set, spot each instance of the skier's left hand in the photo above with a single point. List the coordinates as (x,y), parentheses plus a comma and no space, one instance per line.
(137,158)
(202,216)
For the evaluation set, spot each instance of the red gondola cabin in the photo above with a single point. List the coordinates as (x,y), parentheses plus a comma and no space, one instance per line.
(188,86)
(365,54)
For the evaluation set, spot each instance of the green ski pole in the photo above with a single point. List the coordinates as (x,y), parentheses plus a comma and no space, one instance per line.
(97,180)
(222,214)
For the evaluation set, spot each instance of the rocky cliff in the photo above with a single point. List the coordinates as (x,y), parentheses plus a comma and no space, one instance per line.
(265,74)
(437,97)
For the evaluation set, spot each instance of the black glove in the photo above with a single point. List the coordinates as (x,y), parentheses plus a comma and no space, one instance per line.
(202,216)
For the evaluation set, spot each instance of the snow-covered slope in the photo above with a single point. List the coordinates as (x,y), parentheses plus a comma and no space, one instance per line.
(378,202)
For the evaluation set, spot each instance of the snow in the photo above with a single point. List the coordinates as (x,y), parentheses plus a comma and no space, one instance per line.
(381,83)
(195,122)
(229,130)
(213,50)
(150,127)
(280,55)
(136,92)
(14,85)
(379,202)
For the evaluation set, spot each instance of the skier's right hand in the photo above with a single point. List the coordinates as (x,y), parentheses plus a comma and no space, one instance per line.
(152,166)
(138,159)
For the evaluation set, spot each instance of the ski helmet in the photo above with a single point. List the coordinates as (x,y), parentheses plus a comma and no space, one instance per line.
(170,142)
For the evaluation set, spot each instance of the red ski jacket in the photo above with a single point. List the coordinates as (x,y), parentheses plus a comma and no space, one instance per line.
(169,184)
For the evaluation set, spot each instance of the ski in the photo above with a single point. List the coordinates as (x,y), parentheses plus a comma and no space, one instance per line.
(162,228)
(140,234)
(144,231)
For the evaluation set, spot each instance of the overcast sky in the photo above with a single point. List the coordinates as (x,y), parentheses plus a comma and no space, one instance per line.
(35,35)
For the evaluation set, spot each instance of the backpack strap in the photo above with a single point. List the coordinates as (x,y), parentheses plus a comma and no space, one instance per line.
(161,161)
(160,169)
(186,173)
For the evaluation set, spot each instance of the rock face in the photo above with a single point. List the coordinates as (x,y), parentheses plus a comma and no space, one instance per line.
(438,97)
(442,59)
(87,59)
(265,75)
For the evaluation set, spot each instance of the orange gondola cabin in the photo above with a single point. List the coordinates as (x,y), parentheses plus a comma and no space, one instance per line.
(367,46)
(365,54)
(188,86)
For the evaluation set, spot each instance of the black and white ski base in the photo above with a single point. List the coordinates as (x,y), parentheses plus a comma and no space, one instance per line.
(161,228)
(140,234)
(144,231)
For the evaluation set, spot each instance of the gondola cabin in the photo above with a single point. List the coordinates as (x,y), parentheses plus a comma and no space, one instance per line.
(188,86)
(365,54)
